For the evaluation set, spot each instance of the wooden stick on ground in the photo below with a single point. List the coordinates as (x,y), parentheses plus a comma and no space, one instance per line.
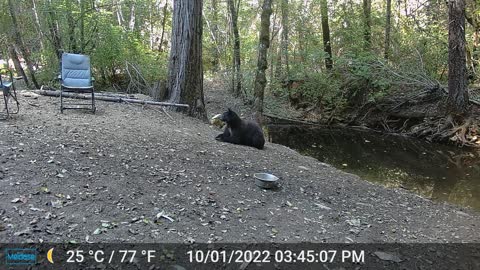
(51,93)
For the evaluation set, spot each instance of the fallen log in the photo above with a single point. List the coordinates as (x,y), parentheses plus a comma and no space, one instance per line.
(52,93)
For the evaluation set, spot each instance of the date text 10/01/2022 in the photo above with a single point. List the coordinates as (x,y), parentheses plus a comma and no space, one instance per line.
(278,256)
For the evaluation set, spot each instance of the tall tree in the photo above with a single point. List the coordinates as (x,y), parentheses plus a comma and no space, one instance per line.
(388,29)
(131,23)
(164,21)
(119,12)
(82,26)
(237,70)
(262,64)
(367,21)
(18,67)
(37,23)
(214,30)
(457,102)
(473,18)
(19,42)
(185,79)
(327,47)
(285,41)
(72,44)
(54,30)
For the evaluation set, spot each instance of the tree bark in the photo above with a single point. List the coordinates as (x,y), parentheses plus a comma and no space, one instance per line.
(237,72)
(457,102)
(37,24)
(388,27)
(21,45)
(131,24)
(473,19)
(18,67)
(367,17)
(82,26)
(264,43)
(164,21)
(214,27)
(327,47)
(54,31)
(185,79)
(119,13)
(285,63)
(72,45)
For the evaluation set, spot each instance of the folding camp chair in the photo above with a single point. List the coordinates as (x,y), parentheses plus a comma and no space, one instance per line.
(8,91)
(76,77)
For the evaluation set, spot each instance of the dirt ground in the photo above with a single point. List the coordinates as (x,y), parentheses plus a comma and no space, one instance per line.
(133,174)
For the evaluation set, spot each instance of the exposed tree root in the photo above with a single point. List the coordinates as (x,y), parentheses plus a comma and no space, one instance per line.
(419,115)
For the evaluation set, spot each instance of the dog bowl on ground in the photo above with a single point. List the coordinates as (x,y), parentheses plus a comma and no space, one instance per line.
(265,180)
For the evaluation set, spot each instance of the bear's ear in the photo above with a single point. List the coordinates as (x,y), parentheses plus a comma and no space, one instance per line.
(229,110)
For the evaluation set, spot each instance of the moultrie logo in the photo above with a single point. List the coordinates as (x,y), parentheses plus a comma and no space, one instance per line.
(20,256)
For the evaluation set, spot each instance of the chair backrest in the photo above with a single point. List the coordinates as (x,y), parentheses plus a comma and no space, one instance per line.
(76,70)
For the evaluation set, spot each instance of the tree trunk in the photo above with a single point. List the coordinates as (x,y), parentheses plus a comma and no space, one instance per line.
(285,63)
(475,50)
(457,102)
(21,45)
(18,67)
(185,78)
(367,17)
(327,47)
(388,27)
(72,45)
(54,31)
(119,13)
(237,72)
(37,24)
(131,24)
(82,26)
(276,59)
(164,21)
(214,27)
(260,78)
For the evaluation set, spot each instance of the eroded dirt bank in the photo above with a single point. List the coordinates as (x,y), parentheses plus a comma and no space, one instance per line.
(107,177)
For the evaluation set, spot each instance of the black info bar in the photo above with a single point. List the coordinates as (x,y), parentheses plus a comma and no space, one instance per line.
(239,256)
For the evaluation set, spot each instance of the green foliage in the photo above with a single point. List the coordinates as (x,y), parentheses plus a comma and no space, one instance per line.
(95,30)
(319,87)
(418,49)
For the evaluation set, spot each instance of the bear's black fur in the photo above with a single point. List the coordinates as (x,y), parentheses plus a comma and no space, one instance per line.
(239,131)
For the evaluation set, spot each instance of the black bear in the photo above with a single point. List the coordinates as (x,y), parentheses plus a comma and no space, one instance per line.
(239,131)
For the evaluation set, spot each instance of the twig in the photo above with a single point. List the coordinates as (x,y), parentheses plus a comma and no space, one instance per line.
(32,104)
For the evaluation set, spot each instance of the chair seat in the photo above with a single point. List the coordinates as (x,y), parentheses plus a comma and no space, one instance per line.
(67,88)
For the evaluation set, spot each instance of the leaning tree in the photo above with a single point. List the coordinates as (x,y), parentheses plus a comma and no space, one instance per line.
(185,71)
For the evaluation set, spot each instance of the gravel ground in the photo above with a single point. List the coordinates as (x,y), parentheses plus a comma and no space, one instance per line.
(133,174)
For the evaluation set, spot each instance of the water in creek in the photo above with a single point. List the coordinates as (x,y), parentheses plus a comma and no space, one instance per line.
(439,172)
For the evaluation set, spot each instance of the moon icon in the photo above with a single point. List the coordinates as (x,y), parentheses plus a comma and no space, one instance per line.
(49,255)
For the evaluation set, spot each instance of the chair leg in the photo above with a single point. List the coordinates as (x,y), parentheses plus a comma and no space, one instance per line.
(93,102)
(13,95)
(5,99)
(61,101)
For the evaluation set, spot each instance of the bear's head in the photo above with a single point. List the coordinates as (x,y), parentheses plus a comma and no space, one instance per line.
(229,116)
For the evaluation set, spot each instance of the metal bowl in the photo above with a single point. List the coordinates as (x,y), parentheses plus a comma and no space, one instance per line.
(265,180)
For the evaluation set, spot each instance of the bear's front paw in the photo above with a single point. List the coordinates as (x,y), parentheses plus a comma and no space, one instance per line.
(219,137)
